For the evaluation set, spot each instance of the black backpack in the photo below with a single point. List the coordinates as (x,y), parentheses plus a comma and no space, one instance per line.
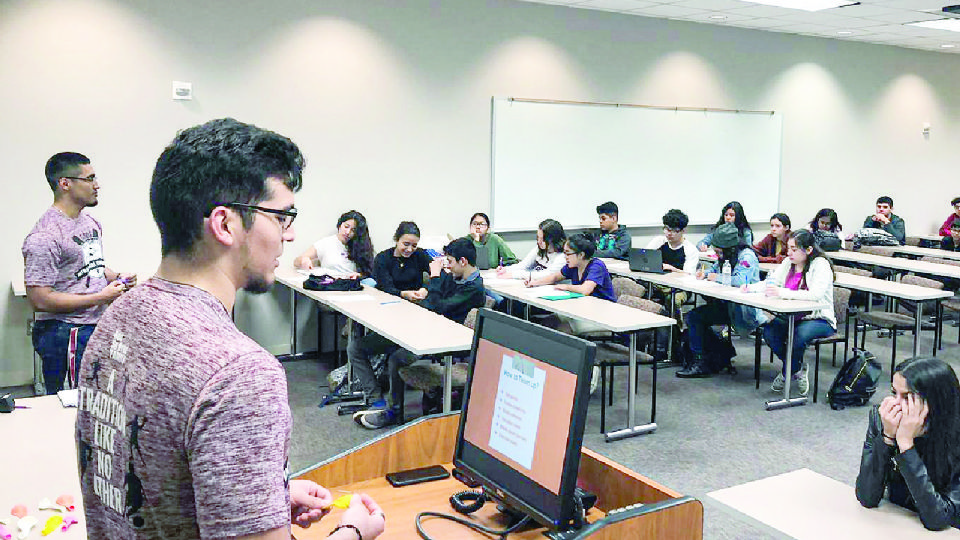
(828,241)
(856,381)
(329,283)
(718,352)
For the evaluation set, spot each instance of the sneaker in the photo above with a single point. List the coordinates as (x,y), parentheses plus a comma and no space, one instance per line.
(777,385)
(375,418)
(803,380)
(594,380)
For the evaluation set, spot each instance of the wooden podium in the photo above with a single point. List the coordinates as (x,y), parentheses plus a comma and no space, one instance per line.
(628,505)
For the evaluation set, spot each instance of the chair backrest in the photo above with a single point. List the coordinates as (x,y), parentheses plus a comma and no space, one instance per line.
(912,241)
(624,285)
(877,250)
(841,303)
(640,303)
(940,260)
(471,319)
(854,271)
(911,279)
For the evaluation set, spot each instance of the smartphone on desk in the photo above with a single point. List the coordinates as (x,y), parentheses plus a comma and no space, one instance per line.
(416,476)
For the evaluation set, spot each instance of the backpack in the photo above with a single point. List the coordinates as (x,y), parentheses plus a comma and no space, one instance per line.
(329,283)
(869,236)
(856,381)
(828,241)
(718,352)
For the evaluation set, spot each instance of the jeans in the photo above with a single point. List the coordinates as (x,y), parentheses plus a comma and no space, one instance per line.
(701,318)
(51,340)
(361,350)
(805,331)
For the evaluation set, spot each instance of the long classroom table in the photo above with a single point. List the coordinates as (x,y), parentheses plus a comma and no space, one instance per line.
(897,263)
(410,326)
(608,315)
(926,252)
(686,282)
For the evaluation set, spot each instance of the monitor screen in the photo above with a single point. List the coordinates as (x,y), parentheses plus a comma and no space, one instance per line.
(521,429)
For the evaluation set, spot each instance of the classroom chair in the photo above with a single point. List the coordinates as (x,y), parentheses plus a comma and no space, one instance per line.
(950,304)
(841,311)
(913,241)
(894,321)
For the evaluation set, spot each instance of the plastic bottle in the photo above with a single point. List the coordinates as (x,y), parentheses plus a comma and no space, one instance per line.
(725,278)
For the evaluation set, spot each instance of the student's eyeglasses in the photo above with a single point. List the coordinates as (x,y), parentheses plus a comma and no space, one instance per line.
(89,179)
(478,224)
(674,231)
(569,253)
(285,218)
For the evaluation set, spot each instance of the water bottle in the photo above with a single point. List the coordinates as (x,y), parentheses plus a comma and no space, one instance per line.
(725,274)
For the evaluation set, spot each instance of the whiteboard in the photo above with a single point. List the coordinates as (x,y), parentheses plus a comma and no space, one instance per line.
(561,160)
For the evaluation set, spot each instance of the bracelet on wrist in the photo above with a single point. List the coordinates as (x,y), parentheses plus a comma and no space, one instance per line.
(347,526)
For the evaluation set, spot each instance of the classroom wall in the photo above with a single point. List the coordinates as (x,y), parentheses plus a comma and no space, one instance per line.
(390,101)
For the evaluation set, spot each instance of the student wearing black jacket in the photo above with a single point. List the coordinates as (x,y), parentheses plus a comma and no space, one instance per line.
(451,293)
(912,447)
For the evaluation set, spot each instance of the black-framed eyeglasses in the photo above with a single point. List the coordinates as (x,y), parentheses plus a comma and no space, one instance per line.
(286,219)
(90,179)
(674,231)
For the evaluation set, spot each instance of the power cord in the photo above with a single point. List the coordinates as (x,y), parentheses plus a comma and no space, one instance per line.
(500,533)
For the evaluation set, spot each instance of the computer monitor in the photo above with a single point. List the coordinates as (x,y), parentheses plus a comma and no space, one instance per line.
(524,410)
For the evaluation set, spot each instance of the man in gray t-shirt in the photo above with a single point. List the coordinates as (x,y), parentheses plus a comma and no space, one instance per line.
(183,425)
(67,280)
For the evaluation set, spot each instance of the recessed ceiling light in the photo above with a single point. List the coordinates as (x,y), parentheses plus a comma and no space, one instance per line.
(947,46)
(844,33)
(718,17)
(952,25)
(806,5)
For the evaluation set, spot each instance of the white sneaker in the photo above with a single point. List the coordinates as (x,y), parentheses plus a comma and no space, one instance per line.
(594,380)
(803,380)
(777,385)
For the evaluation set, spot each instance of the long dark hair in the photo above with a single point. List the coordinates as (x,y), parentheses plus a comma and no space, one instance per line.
(359,248)
(936,382)
(406,227)
(553,236)
(827,213)
(740,220)
(806,240)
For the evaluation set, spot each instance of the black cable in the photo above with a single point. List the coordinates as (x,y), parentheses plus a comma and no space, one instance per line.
(502,534)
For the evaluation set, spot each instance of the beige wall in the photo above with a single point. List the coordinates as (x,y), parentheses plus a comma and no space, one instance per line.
(390,101)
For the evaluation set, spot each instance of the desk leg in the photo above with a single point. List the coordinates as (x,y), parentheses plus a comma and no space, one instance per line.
(293,329)
(447,382)
(632,429)
(787,401)
(916,331)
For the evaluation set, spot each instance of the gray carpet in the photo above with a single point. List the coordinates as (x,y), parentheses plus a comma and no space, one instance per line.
(713,433)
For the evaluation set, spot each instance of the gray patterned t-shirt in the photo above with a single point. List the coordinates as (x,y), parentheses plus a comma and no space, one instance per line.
(183,427)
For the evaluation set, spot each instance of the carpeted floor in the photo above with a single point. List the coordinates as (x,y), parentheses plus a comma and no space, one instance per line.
(713,433)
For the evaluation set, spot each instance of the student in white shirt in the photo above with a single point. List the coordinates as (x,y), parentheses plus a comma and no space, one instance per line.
(544,260)
(347,254)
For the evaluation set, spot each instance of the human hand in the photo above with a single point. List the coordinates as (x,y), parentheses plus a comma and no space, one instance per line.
(890,415)
(129,280)
(881,218)
(700,274)
(309,502)
(352,275)
(303,263)
(670,268)
(562,287)
(419,294)
(366,515)
(110,293)
(912,423)
(703,249)
(772,291)
(713,277)
(436,266)
(501,271)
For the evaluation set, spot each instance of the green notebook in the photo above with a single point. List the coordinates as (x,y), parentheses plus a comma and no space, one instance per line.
(562,296)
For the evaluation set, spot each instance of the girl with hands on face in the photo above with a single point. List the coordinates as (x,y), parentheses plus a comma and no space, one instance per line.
(912,448)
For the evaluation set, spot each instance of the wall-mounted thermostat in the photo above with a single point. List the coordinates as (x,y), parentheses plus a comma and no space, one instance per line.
(182,90)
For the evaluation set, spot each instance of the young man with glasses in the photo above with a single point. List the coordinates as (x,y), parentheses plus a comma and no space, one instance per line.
(67,280)
(183,426)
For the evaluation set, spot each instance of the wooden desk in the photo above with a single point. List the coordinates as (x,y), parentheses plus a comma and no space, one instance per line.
(410,326)
(39,460)
(897,263)
(660,513)
(820,507)
(610,316)
(686,282)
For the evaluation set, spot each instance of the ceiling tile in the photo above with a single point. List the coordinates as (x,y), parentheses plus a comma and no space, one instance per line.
(664,10)
(904,16)
(814,18)
(764,11)
(916,5)
(864,10)
(853,23)
(705,17)
(803,28)
(709,5)
(761,23)
(615,5)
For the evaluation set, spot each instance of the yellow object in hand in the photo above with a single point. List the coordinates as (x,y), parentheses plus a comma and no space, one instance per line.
(343,501)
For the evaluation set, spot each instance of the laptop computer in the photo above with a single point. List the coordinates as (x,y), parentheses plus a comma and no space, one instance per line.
(646,260)
(483,258)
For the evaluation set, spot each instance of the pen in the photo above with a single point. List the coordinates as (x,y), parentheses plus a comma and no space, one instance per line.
(390,302)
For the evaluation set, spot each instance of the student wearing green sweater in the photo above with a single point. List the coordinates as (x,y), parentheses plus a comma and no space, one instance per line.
(498,253)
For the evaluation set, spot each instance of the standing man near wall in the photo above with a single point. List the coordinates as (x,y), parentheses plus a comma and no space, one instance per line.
(67,281)
(183,425)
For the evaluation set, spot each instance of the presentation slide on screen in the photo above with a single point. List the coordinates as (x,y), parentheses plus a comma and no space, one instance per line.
(520,412)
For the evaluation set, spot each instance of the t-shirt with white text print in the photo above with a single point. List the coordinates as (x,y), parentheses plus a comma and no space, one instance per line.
(183,425)
(66,254)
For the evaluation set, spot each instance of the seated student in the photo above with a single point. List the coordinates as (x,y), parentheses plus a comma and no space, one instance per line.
(826,220)
(911,451)
(614,240)
(498,253)
(679,254)
(744,319)
(806,275)
(951,242)
(347,254)
(451,293)
(399,270)
(886,220)
(945,228)
(545,259)
(773,247)
(731,213)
